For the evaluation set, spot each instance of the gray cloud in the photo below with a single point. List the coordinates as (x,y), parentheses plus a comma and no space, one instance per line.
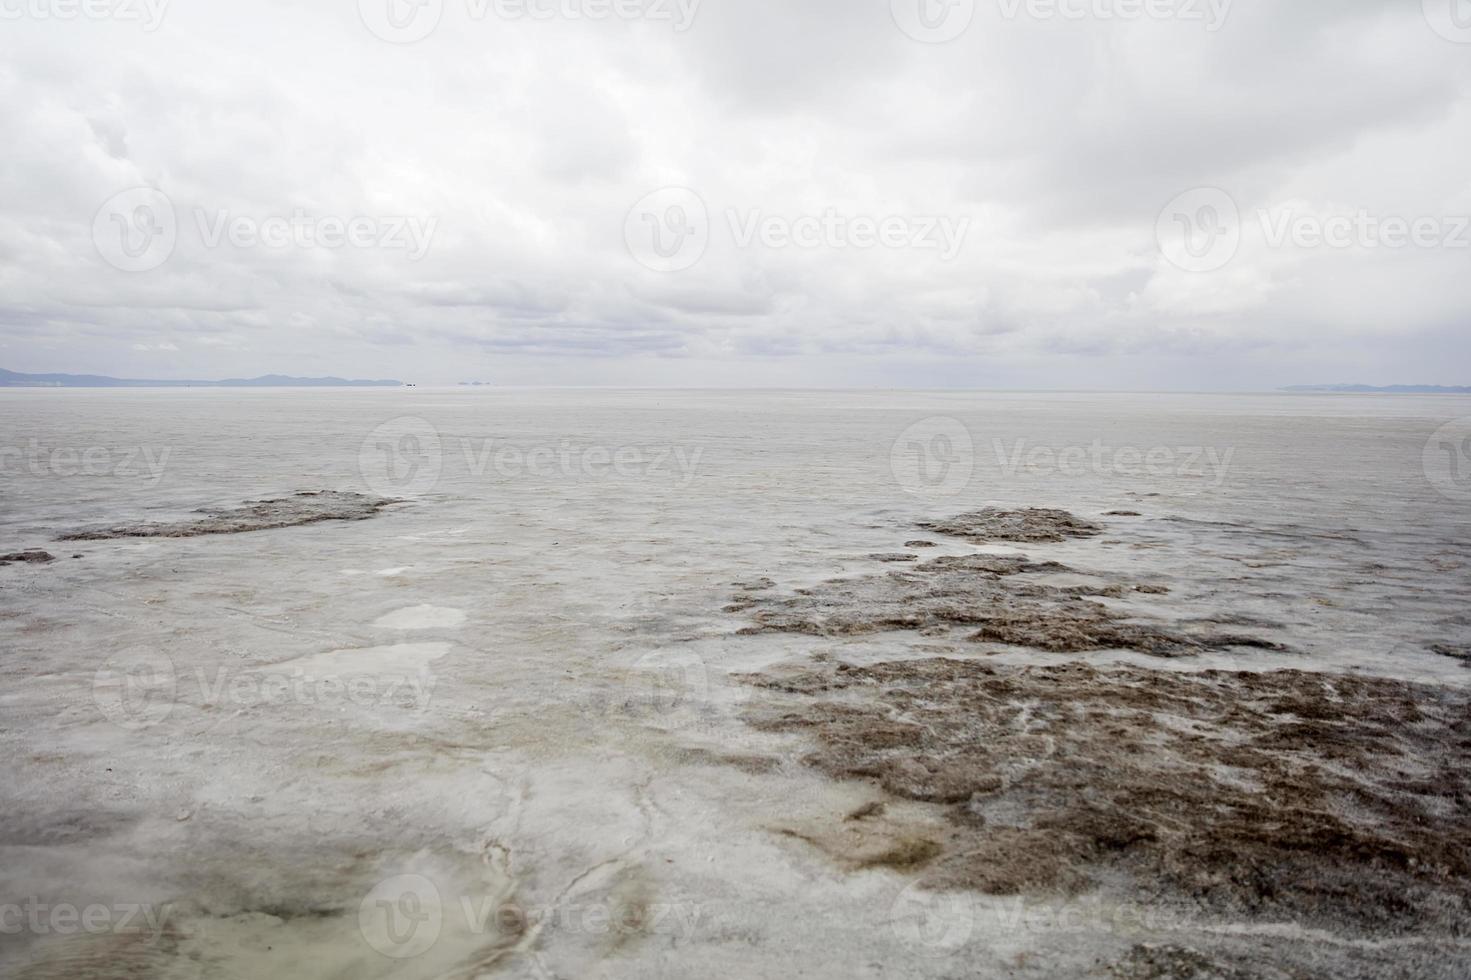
(526,144)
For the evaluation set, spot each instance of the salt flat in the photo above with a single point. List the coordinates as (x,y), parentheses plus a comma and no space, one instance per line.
(520,722)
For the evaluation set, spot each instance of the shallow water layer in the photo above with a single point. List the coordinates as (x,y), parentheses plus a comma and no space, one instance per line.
(503,727)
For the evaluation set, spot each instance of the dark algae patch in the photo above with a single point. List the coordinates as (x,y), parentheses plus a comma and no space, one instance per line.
(1032,525)
(983,598)
(1330,800)
(309,507)
(27,558)
(1282,799)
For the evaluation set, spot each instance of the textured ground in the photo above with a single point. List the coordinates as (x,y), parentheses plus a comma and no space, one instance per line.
(513,720)
(306,507)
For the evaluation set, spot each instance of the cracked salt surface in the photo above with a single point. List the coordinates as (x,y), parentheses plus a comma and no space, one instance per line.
(574,789)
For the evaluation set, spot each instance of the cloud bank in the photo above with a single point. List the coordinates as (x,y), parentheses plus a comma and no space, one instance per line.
(1028,193)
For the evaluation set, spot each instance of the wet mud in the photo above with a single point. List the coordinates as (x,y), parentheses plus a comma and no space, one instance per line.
(985,599)
(1031,525)
(1334,802)
(27,558)
(1339,801)
(309,507)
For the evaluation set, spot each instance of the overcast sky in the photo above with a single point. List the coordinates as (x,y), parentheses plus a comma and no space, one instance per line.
(993,193)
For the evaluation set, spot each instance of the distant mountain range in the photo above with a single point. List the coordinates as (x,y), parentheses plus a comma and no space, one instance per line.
(12,379)
(1386,390)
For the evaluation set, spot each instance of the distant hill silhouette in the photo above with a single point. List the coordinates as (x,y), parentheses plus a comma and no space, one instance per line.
(13,379)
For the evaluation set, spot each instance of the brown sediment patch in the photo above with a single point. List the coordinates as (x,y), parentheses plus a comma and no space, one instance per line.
(1461,652)
(991,596)
(862,849)
(259,515)
(893,557)
(1150,962)
(1031,525)
(1123,513)
(33,557)
(905,836)
(1333,801)
(1264,957)
(746,762)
